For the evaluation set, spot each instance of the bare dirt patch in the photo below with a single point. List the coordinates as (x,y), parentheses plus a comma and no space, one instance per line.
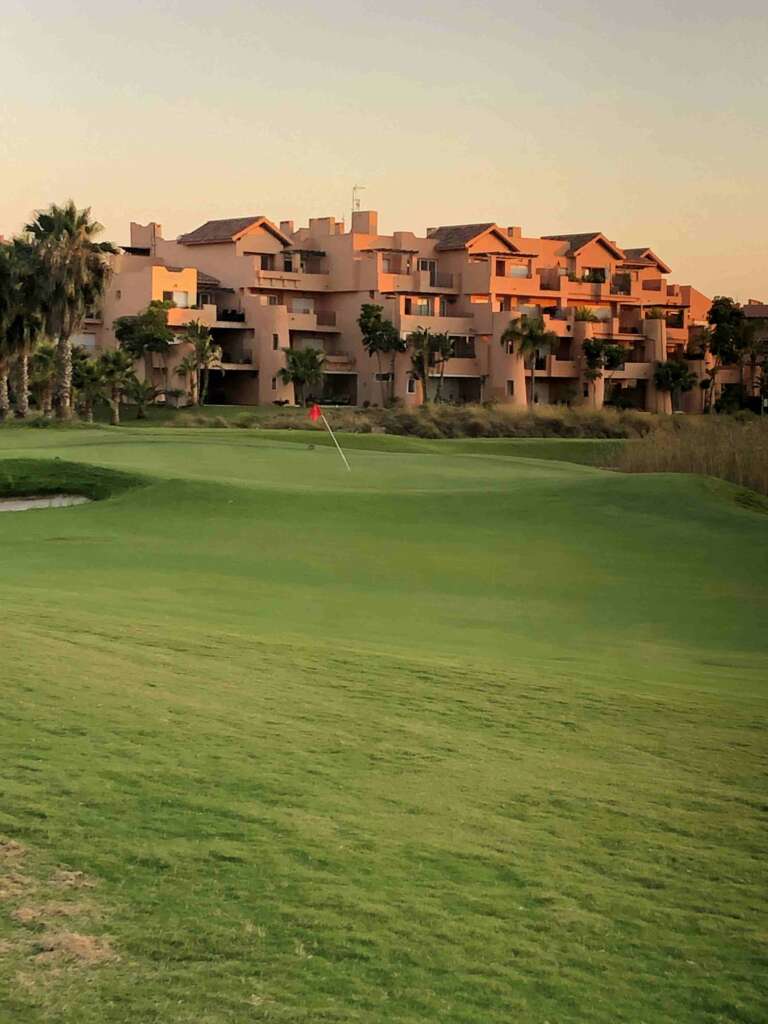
(63,946)
(72,880)
(36,915)
(10,850)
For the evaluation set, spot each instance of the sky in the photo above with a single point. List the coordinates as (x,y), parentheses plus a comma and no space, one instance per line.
(645,120)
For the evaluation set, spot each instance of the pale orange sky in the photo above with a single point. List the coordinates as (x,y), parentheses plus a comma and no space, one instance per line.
(647,121)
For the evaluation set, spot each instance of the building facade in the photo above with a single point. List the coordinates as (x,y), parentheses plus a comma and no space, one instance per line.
(264,288)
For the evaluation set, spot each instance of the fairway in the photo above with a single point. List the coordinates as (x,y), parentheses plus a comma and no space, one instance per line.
(461,736)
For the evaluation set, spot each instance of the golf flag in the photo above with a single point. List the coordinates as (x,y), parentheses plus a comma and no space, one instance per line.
(315,414)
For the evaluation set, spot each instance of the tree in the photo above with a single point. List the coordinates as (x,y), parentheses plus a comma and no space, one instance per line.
(89,381)
(674,376)
(141,393)
(116,370)
(75,272)
(380,337)
(442,351)
(187,369)
(42,376)
(145,334)
(207,357)
(421,342)
(7,304)
(584,314)
(725,319)
(303,367)
(25,317)
(529,338)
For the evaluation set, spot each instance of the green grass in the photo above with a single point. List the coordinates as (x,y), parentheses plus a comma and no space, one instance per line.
(462,736)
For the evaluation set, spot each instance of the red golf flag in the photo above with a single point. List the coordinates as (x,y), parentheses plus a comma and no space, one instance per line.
(315,413)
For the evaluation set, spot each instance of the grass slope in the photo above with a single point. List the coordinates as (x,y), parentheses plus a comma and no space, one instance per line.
(456,737)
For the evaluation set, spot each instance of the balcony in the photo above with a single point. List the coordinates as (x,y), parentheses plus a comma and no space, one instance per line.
(319,320)
(631,371)
(289,280)
(478,277)
(451,324)
(339,362)
(180,316)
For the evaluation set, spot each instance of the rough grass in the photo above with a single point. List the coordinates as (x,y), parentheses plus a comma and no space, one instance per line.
(727,447)
(438,421)
(459,737)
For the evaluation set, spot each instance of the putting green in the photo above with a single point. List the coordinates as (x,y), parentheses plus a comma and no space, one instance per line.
(458,736)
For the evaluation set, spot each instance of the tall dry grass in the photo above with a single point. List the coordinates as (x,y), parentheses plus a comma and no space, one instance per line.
(444,421)
(727,447)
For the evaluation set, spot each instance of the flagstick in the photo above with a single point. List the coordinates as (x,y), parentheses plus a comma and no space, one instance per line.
(338,447)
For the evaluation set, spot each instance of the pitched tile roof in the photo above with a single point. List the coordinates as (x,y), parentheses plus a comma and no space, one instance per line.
(580,239)
(459,236)
(756,310)
(219,230)
(647,254)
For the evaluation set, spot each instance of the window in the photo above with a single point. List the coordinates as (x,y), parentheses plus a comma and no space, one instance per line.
(267,261)
(273,300)
(463,347)
(594,275)
(501,268)
(418,306)
(386,377)
(585,391)
(289,263)
(275,342)
(443,307)
(510,388)
(274,383)
(167,296)
(411,386)
(518,270)
(181,299)
(119,294)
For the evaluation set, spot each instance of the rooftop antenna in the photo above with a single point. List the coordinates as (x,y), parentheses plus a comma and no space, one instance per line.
(355,200)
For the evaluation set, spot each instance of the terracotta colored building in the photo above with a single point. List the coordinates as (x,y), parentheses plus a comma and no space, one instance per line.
(263,288)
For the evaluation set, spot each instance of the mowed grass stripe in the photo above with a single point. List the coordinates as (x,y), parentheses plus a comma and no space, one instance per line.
(408,751)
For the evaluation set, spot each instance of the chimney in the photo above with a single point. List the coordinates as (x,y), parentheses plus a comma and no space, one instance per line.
(145,236)
(515,231)
(365,222)
(286,227)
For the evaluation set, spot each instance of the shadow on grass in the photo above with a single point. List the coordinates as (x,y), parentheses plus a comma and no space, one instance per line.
(40,477)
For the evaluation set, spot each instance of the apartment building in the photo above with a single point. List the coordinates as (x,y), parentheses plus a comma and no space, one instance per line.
(264,287)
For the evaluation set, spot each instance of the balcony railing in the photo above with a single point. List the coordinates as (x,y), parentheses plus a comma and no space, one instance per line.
(440,279)
(326,318)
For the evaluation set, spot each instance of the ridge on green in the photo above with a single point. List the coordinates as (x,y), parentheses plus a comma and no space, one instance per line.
(462,736)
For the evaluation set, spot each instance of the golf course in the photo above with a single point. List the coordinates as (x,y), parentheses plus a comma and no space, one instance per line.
(474,733)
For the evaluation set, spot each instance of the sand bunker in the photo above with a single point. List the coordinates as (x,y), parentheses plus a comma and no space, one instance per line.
(49,501)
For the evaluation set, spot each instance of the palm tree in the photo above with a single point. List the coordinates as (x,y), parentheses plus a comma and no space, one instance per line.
(302,367)
(7,299)
(207,357)
(187,369)
(141,393)
(442,350)
(117,372)
(42,374)
(76,271)
(422,342)
(528,338)
(89,380)
(26,319)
